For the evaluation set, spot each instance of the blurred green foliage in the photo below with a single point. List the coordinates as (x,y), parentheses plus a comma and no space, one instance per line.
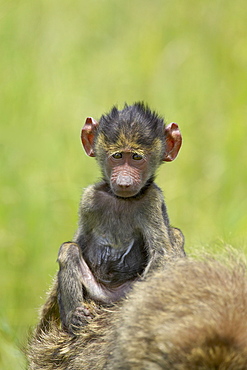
(62,61)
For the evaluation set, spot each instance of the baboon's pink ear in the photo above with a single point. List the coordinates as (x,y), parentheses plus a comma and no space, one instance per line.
(173,142)
(87,135)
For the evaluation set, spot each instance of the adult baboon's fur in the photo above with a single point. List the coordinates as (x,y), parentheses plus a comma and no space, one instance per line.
(191,316)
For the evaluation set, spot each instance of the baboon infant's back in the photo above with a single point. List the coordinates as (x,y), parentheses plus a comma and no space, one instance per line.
(191,316)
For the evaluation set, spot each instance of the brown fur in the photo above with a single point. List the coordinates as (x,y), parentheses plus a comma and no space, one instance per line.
(191,316)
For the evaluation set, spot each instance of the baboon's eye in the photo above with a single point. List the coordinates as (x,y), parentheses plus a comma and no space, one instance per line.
(137,157)
(117,155)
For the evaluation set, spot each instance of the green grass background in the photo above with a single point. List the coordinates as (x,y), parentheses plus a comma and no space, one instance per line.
(61,61)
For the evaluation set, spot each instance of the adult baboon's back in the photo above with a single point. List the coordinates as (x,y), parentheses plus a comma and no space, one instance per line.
(193,315)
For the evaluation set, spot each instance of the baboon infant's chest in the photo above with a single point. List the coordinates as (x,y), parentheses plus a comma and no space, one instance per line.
(115,253)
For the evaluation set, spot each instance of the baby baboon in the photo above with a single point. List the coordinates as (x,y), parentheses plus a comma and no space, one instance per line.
(190,316)
(124,230)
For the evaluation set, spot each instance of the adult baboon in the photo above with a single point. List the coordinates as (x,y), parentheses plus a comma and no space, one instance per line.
(190,316)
